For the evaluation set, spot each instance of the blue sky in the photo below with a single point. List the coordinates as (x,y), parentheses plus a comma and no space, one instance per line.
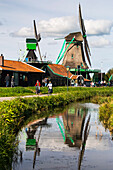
(56,19)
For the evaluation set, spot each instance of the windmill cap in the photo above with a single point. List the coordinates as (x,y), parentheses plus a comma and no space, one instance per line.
(76,35)
(30,40)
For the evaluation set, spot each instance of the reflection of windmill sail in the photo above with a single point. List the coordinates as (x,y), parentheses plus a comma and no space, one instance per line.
(86,46)
(37,148)
(74,123)
(86,133)
(72,126)
(63,130)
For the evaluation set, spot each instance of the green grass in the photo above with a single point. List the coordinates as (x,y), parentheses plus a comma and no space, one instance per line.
(16,91)
(22,91)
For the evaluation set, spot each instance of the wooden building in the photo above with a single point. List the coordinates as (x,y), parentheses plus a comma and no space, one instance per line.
(58,74)
(24,74)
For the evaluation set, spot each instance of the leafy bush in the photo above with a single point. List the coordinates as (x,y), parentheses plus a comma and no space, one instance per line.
(106,115)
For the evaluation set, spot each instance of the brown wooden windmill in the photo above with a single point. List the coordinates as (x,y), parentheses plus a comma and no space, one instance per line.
(75,45)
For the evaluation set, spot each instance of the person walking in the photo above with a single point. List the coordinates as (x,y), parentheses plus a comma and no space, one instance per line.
(50,90)
(12,81)
(7,79)
(45,81)
(37,87)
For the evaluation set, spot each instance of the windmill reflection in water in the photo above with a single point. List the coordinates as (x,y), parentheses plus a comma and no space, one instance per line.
(75,129)
(32,143)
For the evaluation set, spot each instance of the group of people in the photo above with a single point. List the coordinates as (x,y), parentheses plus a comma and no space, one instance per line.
(7,81)
(49,85)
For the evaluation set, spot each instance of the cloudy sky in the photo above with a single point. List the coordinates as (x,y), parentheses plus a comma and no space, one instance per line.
(55,19)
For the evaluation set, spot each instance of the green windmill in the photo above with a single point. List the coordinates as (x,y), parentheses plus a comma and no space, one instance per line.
(32,44)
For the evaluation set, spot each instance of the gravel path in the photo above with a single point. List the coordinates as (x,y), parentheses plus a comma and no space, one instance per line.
(11,98)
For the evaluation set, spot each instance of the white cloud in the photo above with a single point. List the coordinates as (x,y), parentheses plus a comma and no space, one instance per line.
(23,32)
(100,42)
(61,26)
(55,27)
(98,27)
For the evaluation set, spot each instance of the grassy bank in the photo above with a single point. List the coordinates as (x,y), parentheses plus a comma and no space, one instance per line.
(16,91)
(105,110)
(14,113)
(106,114)
(22,91)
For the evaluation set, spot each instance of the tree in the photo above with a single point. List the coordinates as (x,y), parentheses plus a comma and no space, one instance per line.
(108,74)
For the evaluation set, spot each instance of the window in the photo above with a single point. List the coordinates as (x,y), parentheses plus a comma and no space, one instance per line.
(30,59)
(72,56)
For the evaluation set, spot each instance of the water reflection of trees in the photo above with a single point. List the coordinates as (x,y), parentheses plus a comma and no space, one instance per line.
(75,128)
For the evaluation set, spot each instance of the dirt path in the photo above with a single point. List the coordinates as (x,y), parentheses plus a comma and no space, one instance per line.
(11,98)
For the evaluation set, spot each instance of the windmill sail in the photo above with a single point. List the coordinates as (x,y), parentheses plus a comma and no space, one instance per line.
(82,26)
(86,51)
(38,38)
(83,57)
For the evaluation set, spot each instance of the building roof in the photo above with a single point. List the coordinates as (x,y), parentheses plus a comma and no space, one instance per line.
(11,65)
(74,77)
(87,80)
(59,70)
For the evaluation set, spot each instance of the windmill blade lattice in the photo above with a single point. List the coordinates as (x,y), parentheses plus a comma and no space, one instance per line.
(82,26)
(86,51)
(38,38)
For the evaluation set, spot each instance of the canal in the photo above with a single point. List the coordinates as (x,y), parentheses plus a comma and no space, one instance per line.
(74,139)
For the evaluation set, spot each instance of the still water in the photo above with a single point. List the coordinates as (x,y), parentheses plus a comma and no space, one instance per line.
(72,140)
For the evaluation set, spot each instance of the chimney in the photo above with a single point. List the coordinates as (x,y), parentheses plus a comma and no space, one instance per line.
(1,60)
